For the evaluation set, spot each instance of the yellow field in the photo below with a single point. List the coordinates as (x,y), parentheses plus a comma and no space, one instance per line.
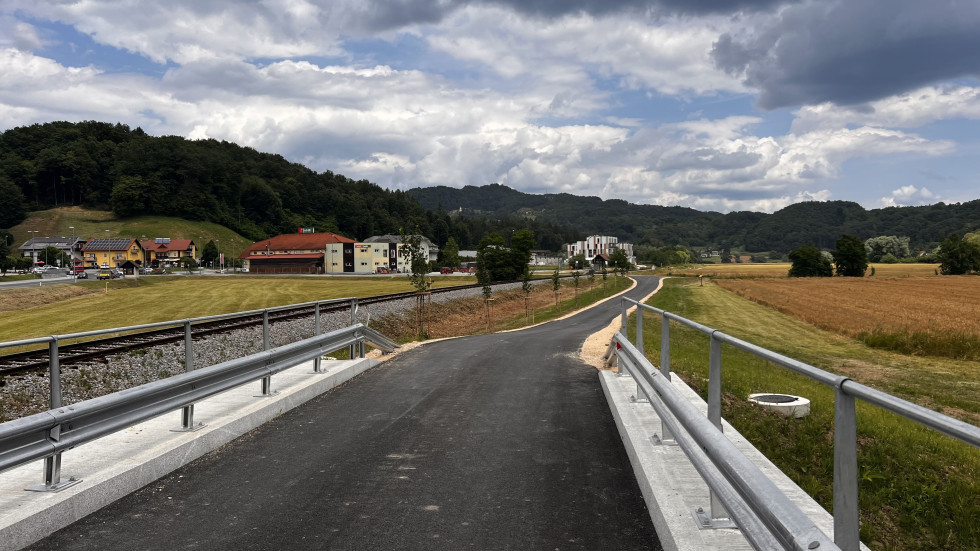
(780,269)
(854,306)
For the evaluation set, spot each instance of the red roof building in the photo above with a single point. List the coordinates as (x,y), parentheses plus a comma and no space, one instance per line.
(292,253)
(167,252)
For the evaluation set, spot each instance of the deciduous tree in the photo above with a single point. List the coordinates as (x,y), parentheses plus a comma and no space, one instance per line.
(808,261)
(850,257)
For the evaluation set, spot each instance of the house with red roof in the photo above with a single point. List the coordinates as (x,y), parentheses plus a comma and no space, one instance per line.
(292,253)
(164,252)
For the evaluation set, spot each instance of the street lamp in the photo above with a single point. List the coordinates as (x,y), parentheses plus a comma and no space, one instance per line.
(33,247)
(71,250)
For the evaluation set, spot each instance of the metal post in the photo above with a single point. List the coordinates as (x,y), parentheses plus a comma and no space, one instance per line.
(266,381)
(667,437)
(639,330)
(846,524)
(187,412)
(52,465)
(316,331)
(352,351)
(714,382)
(623,321)
(718,510)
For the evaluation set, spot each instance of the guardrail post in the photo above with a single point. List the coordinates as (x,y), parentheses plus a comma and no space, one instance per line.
(639,330)
(846,522)
(666,436)
(316,331)
(718,510)
(352,351)
(52,465)
(187,412)
(623,319)
(266,381)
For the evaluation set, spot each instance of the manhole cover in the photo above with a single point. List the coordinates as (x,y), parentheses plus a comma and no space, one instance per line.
(776,398)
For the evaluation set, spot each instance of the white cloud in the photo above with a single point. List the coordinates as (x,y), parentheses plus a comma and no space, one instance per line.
(912,109)
(908,195)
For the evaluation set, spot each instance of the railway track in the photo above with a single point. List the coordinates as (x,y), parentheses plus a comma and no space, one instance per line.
(99,349)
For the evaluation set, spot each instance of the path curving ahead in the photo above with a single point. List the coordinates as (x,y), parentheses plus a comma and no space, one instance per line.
(500,441)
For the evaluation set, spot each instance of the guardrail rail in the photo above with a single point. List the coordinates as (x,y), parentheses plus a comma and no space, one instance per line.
(46,435)
(739,490)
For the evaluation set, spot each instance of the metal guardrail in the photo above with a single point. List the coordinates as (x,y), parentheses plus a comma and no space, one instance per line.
(738,489)
(46,435)
(52,461)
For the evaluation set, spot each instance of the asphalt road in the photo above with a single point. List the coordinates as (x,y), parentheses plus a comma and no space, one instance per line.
(499,441)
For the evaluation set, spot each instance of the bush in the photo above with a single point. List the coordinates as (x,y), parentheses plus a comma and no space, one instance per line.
(889,259)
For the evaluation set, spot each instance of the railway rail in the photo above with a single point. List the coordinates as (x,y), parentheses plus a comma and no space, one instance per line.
(94,350)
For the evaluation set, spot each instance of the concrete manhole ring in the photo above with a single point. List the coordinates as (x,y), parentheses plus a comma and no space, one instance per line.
(786,404)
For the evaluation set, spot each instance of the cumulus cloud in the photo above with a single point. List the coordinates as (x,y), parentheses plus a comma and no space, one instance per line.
(908,195)
(911,109)
(849,52)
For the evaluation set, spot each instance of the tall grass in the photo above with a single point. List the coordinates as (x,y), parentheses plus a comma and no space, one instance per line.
(918,488)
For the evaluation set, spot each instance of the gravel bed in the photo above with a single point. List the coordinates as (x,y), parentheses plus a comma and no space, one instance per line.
(24,395)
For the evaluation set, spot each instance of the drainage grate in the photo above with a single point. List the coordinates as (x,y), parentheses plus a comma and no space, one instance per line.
(775,398)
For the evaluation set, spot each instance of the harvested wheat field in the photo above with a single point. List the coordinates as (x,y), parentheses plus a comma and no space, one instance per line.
(916,315)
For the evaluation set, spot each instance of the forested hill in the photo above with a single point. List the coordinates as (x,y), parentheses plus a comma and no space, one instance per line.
(98,164)
(809,223)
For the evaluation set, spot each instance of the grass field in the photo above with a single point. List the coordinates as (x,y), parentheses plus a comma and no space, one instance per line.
(83,306)
(935,316)
(918,489)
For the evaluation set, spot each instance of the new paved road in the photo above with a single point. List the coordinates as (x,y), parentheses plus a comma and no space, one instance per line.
(499,441)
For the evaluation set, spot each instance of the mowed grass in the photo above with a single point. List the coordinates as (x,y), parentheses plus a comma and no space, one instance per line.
(918,489)
(85,306)
(936,316)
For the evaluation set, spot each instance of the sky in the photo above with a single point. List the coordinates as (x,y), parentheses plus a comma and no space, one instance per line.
(710,104)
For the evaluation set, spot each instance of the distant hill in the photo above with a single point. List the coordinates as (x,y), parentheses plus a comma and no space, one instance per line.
(814,223)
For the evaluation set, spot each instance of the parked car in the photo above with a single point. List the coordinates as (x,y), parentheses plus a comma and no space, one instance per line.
(106,273)
(81,275)
(445,270)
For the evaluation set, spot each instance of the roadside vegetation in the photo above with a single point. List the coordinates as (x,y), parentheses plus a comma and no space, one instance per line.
(918,489)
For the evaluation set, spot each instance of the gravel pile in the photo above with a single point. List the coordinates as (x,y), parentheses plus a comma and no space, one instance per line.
(24,395)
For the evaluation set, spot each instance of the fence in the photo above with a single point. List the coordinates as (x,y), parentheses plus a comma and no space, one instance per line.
(46,435)
(738,489)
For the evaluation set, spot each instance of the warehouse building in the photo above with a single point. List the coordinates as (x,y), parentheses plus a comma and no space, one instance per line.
(293,253)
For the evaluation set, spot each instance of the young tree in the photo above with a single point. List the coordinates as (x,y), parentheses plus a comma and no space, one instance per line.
(555,286)
(450,254)
(808,261)
(850,257)
(527,288)
(483,278)
(575,281)
(957,256)
(418,269)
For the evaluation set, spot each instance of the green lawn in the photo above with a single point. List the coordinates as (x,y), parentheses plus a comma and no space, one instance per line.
(161,298)
(918,489)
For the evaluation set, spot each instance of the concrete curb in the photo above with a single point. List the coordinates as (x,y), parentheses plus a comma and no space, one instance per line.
(671,486)
(124,462)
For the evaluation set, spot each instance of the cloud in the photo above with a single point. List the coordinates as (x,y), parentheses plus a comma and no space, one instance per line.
(849,52)
(910,109)
(908,195)
(17,34)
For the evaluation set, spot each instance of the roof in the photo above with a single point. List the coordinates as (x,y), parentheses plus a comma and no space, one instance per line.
(111,244)
(42,242)
(391,238)
(273,257)
(173,245)
(296,241)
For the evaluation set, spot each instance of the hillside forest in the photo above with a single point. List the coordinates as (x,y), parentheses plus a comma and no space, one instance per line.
(103,165)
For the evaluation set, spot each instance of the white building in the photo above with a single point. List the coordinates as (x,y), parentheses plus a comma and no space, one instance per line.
(595,245)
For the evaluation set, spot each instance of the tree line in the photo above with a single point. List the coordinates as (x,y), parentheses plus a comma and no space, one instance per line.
(850,257)
(258,195)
